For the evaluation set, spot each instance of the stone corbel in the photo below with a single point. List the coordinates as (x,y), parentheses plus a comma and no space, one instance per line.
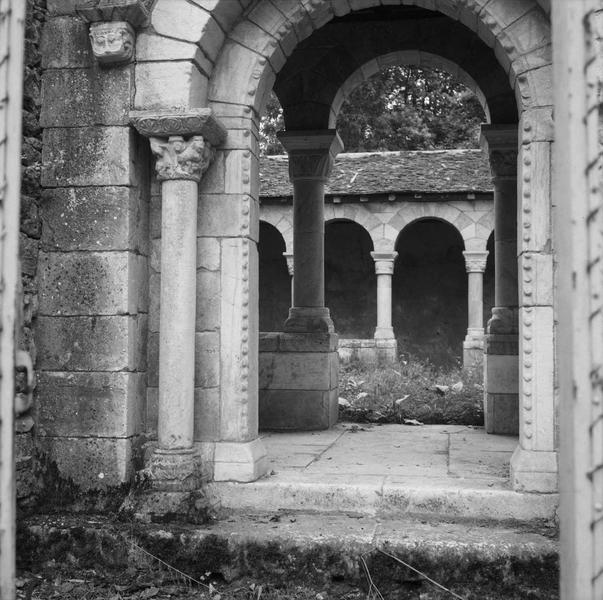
(113,25)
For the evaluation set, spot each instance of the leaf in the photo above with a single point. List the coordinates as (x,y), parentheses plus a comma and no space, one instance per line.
(149,593)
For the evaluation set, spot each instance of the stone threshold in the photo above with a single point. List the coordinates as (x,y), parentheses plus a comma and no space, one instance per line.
(308,548)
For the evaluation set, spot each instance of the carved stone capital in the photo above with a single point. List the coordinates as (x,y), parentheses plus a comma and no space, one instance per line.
(112,42)
(311,153)
(475,262)
(384,262)
(500,141)
(197,121)
(289,258)
(178,158)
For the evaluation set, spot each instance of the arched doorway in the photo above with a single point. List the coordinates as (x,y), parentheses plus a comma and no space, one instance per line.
(350,279)
(430,292)
(274,279)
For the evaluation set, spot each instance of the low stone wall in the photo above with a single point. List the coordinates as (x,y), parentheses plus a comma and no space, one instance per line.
(298,381)
(368,352)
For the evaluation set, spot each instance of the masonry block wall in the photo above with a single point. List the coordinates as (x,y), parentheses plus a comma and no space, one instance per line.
(30,232)
(92,328)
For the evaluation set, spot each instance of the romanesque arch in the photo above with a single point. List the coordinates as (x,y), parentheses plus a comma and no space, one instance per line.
(238,67)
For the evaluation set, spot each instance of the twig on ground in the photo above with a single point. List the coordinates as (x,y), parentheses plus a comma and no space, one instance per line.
(438,585)
(373,589)
(186,577)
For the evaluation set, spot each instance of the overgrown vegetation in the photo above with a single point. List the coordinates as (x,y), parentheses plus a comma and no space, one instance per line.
(411,390)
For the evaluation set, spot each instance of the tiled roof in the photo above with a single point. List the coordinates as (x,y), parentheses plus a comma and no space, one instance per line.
(433,171)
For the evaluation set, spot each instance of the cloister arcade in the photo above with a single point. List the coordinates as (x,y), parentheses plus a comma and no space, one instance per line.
(196,89)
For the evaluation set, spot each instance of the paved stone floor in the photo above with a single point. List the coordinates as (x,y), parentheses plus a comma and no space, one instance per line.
(394,471)
(382,454)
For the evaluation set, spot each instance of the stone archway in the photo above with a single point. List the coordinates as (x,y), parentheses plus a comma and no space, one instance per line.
(430,292)
(245,63)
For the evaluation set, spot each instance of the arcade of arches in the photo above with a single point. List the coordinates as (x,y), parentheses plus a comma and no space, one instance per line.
(151,215)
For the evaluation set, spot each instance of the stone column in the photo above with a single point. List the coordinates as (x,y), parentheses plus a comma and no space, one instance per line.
(501,361)
(289,258)
(473,346)
(299,371)
(385,341)
(311,156)
(183,145)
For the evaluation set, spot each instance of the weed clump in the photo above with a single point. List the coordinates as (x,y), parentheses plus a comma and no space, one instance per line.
(411,390)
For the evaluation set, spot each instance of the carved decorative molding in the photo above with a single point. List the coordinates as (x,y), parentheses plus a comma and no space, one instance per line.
(135,12)
(178,158)
(310,166)
(501,142)
(311,153)
(475,262)
(199,121)
(112,42)
(503,163)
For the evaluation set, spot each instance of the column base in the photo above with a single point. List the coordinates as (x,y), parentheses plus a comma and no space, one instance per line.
(533,471)
(501,384)
(240,461)
(174,470)
(473,349)
(384,333)
(309,320)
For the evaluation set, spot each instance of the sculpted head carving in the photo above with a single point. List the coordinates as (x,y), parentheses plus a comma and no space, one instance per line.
(112,42)
(178,158)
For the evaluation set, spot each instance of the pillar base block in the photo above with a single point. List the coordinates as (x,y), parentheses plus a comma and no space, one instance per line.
(240,461)
(309,320)
(501,384)
(473,349)
(174,470)
(384,333)
(533,471)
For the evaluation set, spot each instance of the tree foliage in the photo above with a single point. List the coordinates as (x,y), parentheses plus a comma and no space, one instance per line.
(399,108)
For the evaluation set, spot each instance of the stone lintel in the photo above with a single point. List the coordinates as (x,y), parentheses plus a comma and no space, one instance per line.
(166,124)
(475,261)
(311,153)
(135,12)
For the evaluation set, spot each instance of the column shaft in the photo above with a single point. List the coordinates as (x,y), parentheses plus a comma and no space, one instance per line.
(475,306)
(505,242)
(308,243)
(177,313)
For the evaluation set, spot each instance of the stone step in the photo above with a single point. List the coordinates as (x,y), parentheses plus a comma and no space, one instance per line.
(312,549)
(427,498)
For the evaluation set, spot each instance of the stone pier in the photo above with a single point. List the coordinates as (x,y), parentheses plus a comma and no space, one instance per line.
(298,377)
(501,361)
